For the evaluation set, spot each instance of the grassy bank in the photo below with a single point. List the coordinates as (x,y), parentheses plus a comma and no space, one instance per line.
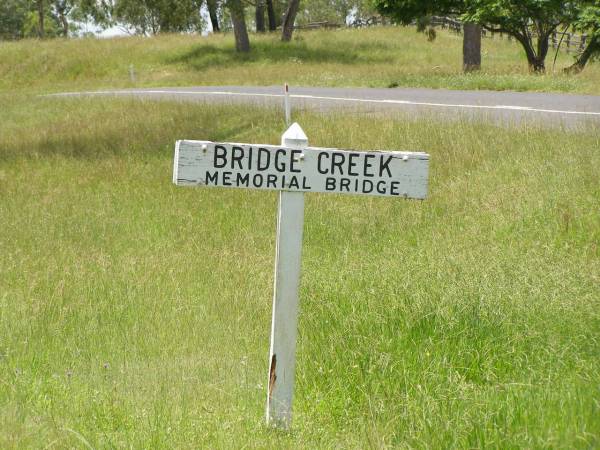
(137,314)
(375,57)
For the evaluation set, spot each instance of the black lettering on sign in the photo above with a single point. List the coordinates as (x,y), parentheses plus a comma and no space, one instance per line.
(294,183)
(345,184)
(257,180)
(381,187)
(263,160)
(337,160)
(329,184)
(385,166)
(367,165)
(294,160)
(214,178)
(249,158)
(237,154)
(352,164)
(367,186)
(226,178)
(271,180)
(304,185)
(321,165)
(242,180)
(219,157)
(394,186)
(279,166)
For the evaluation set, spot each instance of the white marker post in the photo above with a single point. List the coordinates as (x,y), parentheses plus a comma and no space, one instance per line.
(293,168)
(286,105)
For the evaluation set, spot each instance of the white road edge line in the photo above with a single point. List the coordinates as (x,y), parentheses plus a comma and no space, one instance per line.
(319,97)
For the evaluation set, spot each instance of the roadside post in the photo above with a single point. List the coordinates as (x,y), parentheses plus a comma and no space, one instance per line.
(294,168)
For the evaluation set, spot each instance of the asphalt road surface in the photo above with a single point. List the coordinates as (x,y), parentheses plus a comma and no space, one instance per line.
(554,110)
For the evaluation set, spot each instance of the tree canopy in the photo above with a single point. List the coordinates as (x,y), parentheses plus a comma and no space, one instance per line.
(588,22)
(530,22)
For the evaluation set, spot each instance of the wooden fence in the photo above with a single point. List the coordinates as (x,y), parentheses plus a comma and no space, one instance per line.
(570,42)
(317,25)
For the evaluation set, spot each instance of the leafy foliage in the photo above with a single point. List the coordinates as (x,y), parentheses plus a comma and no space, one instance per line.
(13,14)
(155,16)
(407,11)
(588,22)
(530,22)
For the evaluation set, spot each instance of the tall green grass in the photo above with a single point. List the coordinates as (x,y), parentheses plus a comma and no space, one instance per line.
(376,57)
(136,314)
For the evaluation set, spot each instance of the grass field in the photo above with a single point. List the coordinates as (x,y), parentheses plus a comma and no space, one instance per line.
(134,314)
(376,57)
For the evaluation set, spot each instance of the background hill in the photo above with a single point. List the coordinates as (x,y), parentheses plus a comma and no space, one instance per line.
(372,57)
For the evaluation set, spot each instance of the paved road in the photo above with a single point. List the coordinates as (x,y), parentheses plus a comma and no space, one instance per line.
(501,107)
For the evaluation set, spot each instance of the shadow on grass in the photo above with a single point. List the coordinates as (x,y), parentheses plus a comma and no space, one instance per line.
(207,56)
(108,143)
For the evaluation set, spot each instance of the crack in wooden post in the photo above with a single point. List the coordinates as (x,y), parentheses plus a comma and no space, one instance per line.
(272,376)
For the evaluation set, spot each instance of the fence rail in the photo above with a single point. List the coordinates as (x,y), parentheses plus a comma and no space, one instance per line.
(570,42)
(318,25)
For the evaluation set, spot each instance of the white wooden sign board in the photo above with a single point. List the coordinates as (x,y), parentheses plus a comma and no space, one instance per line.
(394,174)
(293,168)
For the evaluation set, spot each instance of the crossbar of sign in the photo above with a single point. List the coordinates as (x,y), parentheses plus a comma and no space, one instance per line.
(312,169)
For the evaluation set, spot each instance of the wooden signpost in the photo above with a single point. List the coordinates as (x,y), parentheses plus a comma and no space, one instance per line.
(294,168)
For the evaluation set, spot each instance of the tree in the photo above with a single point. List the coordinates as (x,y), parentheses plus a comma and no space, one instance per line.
(156,16)
(407,11)
(13,14)
(588,22)
(240,31)
(41,11)
(61,10)
(530,22)
(336,11)
(212,7)
(271,15)
(471,47)
(288,20)
(260,16)
(40,21)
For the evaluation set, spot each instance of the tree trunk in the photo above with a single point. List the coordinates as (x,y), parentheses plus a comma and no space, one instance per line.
(40,8)
(536,62)
(260,16)
(65,25)
(288,20)
(211,5)
(592,48)
(543,47)
(242,43)
(471,47)
(271,15)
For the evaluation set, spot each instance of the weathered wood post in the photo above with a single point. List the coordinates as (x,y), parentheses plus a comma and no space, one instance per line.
(284,326)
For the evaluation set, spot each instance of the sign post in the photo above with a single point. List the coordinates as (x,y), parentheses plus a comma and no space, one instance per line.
(284,325)
(294,168)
